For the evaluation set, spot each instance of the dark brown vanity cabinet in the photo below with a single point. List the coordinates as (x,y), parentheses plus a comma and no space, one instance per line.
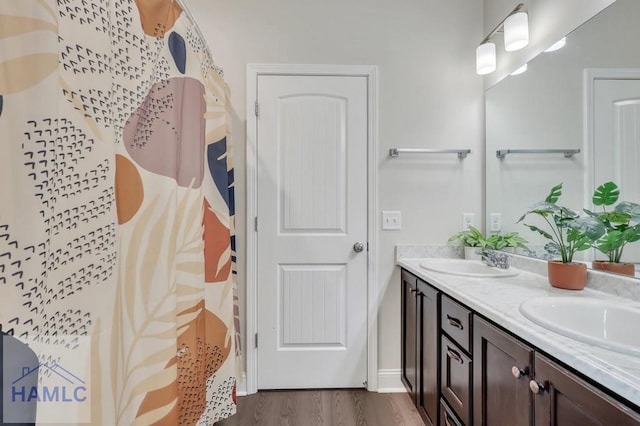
(420,345)
(463,370)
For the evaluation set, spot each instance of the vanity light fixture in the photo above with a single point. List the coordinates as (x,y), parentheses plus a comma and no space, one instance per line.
(557,45)
(486,58)
(516,31)
(516,36)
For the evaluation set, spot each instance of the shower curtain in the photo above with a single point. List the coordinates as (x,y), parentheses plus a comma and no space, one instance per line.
(117,210)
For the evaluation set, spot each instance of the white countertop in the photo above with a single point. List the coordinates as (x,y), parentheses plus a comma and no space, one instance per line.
(499,300)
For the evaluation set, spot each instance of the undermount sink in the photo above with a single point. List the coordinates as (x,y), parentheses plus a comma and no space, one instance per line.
(466,268)
(598,322)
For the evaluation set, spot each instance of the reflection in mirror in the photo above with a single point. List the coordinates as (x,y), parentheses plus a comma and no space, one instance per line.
(584,96)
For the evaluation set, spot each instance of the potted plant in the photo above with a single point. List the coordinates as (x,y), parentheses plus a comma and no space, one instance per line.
(619,229)
(509,239)
(568,234)
(473,239)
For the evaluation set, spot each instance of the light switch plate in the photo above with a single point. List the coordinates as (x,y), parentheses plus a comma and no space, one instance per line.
(467,221)
(495,222)
(391,220)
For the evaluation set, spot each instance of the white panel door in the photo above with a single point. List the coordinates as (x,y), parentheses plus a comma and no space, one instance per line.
(617,141)
(312,209)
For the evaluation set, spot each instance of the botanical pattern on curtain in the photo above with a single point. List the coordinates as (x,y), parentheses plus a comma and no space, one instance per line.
(117,202)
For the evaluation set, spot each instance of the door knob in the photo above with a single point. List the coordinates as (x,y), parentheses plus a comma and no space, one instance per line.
(535,387)
(518,373)
(358,247)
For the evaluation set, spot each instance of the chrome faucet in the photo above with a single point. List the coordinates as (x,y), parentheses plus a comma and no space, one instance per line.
(494,258)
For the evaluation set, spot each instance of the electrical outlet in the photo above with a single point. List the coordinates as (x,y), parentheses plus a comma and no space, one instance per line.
(391,220)
(467,221)
(495,222)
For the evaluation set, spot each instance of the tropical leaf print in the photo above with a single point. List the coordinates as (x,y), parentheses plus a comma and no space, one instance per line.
(217,253)
(158,16)
(165,236)
(204,344)
(12,26)
(178,51)
(166,137)
(19,74)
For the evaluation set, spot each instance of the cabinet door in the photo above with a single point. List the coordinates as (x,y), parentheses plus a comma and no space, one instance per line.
(563,399)
(428,352)
(502,366)
(409,308)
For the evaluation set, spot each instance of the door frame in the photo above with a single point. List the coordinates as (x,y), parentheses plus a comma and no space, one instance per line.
(252,160)
(591,75)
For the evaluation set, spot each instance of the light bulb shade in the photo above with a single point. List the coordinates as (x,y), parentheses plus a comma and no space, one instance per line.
(557,45)
(520,70)
(485,58)
(516,31)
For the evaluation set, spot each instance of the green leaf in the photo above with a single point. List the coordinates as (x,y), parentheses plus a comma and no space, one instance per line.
(628,208)
(615,218)
(579,241)
(631,235)
(612,241)
(590,213)
(606,194)
(542,208)
(513,239)
(540,231)
(591,227)
(554,194)
(471,238)
(552,248)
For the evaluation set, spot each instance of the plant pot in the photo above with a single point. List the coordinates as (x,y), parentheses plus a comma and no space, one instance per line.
(470,253)
(568,276)
(617,268)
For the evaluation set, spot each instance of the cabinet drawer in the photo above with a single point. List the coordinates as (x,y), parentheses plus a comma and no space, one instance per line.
(447,418)
(455,380)
(456,322)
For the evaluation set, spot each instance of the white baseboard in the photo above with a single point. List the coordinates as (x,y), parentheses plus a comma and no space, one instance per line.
(388,382)
(241,385)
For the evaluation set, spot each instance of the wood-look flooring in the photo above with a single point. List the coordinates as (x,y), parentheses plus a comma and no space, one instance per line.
(341,407)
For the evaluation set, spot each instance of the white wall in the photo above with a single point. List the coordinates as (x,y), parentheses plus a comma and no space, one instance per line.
(429,97)
(549,21)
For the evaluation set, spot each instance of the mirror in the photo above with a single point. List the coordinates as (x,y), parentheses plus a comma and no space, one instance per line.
(545,108)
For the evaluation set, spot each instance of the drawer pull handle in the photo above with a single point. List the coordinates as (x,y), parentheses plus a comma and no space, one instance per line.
(454,355)
(455,322)
(536,388)
(448,421)
(518,373)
